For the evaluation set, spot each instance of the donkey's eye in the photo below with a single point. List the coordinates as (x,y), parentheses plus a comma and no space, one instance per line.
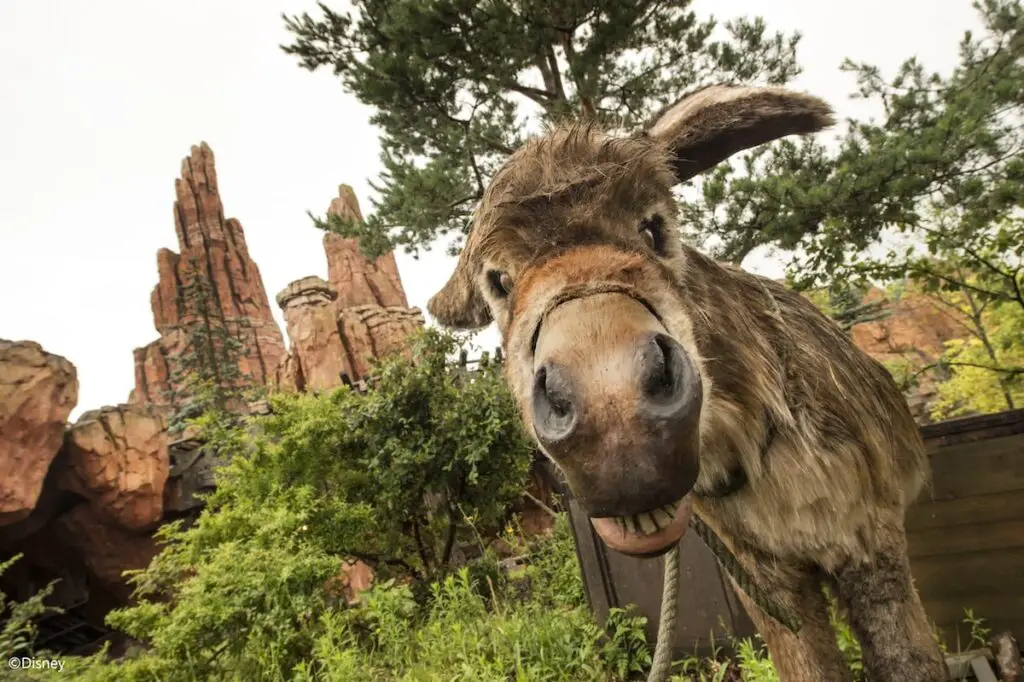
(501,283)
(652,230)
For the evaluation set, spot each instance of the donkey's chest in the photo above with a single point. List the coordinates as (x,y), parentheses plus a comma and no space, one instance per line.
(804,505)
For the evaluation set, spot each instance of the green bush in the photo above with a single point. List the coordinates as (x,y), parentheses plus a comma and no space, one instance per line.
(18,631)
(428,459)
(261,615)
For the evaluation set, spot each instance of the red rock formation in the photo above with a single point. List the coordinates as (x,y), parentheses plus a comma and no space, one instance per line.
(357,280)
(106,549)
(216,246)
(915,325)
(318,355)
(916,330)
(374,332)
(117,459)
(353,578)
(38,390)
(370,317)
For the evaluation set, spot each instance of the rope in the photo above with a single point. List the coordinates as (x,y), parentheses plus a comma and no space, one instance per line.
(667,622)
(669,598)
(742,578)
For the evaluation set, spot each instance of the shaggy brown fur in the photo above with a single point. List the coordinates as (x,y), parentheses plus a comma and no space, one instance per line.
(808,455)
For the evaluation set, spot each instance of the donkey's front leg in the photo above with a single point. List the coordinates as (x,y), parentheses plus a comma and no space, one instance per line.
(886,614)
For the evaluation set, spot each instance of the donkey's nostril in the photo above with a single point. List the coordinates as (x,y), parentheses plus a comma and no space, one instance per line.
(671,391)
(659,367)
(554,413)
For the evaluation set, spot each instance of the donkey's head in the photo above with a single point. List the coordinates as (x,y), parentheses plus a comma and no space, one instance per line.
(574,253)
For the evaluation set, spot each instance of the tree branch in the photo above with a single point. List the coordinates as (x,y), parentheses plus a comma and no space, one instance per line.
(376,559)
(546,509)
(541,97)
(420,549)
(449,543)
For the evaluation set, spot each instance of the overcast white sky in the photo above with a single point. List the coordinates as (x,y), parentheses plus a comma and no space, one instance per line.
(100,101)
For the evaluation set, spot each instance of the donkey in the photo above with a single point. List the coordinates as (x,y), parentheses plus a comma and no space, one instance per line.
(664,384)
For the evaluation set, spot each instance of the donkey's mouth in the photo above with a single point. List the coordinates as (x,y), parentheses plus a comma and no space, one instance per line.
(649,533)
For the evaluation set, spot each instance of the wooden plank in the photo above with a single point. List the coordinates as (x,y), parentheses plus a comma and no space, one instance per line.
(969,575)
(600,594)
(984,425)
(1003,606)
(975,537)
(994,466)
(925,514)
(704,608)
(977,447)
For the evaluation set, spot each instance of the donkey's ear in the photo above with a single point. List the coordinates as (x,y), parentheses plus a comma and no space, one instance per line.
(708,126)
(459,304)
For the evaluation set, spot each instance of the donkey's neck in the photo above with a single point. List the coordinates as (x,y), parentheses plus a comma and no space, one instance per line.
(741,339)
(738,329)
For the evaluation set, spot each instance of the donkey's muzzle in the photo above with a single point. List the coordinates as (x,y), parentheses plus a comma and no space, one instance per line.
(616,401)
(668,392)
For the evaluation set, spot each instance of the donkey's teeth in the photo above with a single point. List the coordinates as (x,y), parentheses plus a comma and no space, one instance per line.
(647,533)
(661,517)
(647,523)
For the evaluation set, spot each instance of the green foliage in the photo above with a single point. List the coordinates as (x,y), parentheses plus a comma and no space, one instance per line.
(979,631)
(18,633)
(945,145)
(471,627)
(428,458)
(399,473)
(930,196)
(754,662)
(847,641)
(462,636)
(975,275)
(987,370)
(983,370)
(466,629)
(457,85)
(845,304)
(553,571)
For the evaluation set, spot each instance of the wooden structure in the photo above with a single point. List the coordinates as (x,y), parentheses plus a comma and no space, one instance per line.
(966,534)
(966,537)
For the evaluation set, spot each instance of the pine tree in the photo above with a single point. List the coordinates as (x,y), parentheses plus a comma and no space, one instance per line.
(929,195)
(457,85)
(207,376)
(942,169)
(849,308)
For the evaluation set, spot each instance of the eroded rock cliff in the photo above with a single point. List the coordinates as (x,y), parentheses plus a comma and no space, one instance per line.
(38,390)
(117,461)
(214,247)
(344,324)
